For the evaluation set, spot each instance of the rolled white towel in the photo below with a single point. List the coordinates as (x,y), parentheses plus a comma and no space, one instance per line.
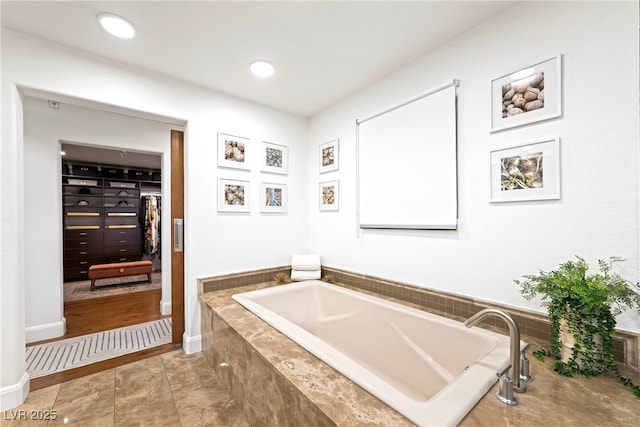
(298,276)
(305,262)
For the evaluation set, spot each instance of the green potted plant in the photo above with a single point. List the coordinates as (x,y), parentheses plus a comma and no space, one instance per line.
(582,306)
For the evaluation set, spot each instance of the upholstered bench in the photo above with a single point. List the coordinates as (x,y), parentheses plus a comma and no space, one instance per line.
(119,269)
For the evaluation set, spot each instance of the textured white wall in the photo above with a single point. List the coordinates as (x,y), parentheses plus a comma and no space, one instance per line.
(597,215)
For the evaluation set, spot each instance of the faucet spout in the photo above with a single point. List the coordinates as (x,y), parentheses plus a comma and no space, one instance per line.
(514,337)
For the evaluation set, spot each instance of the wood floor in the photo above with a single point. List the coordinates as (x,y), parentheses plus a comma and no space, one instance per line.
(102,314)
(116,311)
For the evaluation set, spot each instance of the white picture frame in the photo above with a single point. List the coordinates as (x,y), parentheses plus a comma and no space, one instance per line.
(234,151)
(273,197)
(275,158)
(329,156)
(329,195)
(534,92)
(526,171)
(234,195)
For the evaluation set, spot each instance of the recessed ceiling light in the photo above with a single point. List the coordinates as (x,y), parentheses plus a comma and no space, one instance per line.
(262,69)
(116,25)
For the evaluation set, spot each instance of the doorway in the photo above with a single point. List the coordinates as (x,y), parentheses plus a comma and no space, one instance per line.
(42,192)
(112,207)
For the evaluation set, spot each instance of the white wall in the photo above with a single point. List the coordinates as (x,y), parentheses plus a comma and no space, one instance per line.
(214,244)
(597,215)
(44,128)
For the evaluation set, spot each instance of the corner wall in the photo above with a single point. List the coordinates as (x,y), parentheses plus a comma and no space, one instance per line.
(215,243)
(597,214)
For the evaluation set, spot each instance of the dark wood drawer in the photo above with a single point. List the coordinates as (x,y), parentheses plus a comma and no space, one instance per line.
(82,253)
(83,235)
(122,237)
(124,251)
(71,274)
(121,258)
(78,269)
(87,244)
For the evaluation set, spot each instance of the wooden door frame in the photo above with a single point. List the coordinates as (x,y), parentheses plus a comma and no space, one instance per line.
(177,258)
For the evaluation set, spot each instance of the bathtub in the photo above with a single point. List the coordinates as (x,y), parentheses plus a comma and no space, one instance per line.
(430,369)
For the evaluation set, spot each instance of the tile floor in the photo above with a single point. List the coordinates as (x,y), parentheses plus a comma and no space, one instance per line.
(179,390)
(172,389)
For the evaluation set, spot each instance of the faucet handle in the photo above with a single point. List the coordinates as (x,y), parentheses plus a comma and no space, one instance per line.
(504,370)
(525,374)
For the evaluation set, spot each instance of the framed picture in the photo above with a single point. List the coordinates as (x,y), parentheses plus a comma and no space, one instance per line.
(329,156)
(273,197)
(275,158)
(530,94)
(233,152)
(329,193)
(529,171)
(233,195)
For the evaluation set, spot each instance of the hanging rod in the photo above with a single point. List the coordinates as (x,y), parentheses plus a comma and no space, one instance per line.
(454,82)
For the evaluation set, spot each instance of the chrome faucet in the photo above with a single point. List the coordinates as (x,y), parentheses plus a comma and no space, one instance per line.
(508,382)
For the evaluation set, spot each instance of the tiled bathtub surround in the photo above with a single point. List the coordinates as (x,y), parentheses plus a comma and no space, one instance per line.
(626,346)
(236,280)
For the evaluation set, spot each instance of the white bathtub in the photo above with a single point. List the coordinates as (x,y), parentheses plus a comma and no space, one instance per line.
(431,369)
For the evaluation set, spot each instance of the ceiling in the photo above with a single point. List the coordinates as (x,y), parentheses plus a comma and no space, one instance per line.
(75,152)
(323,51)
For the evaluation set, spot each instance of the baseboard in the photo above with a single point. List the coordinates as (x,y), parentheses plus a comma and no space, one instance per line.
(45,332)
(14,395)
(191,344)
(165,308)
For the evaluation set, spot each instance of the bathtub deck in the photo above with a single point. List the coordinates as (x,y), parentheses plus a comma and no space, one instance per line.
(551,400)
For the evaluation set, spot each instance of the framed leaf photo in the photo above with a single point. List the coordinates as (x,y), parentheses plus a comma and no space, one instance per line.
(273,197)
(233,152)
(529,171)
(275,158)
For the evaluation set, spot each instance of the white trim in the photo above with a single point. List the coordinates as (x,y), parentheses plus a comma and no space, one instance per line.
(191,344)
(14,395)
(46,331)
(165,308)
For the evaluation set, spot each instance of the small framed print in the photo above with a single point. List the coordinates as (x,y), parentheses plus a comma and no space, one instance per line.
(233,195)
(329,155)
(329,195)
(273,197)
(275,158)
(528,95)
(233,152)
(529,171)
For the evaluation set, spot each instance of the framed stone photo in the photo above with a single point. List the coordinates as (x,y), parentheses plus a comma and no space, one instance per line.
(233,152)
(329,155)
(528,95)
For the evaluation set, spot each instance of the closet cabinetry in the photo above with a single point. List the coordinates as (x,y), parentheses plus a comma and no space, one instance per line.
(101,215)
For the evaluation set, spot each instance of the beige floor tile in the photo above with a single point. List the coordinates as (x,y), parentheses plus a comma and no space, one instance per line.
(200,397)
(35,411)
(143,395)
(86,400)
